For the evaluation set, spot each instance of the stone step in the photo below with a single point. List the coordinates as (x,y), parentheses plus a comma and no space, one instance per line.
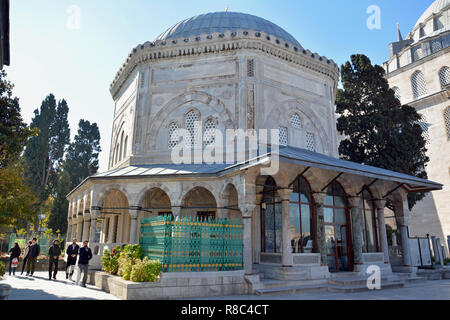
(273,283)
(292,289)
(362,288)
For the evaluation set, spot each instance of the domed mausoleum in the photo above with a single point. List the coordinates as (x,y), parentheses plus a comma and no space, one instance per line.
(224,71)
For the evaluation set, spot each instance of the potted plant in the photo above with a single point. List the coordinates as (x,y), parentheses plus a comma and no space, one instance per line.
(5,289)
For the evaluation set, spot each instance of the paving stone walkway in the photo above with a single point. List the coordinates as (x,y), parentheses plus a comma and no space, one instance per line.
(39,287)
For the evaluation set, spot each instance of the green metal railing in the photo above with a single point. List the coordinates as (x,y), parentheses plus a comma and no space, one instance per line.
(192,244)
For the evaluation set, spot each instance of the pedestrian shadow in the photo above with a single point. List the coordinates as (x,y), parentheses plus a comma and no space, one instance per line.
(37,294)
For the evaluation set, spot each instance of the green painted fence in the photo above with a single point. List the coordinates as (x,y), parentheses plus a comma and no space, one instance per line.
(192,244)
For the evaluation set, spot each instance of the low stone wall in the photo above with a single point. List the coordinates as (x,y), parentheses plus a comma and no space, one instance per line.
(177,285)
(41,265)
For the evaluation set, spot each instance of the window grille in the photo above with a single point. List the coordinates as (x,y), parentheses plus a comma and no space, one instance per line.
(424,125)
(192,126)
(397,93)
(310,142)
(436,45)
(418,85)
(250,67)
(447,121)
(209,136)
(417,53)
(173,136)
(283,136)
(296,122)
(444,76)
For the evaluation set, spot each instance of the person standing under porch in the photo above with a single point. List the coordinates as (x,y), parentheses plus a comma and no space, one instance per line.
(72,253)
(35,251)
(14,258)
(85,254)
(53,258)
(26,251)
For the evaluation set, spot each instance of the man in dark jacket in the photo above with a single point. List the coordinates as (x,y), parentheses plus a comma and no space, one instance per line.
(35,251)
(53,258)
(72,253)
(85,254)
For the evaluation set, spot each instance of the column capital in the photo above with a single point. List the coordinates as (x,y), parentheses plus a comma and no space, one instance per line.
(247,209)
(379,203)
(319,197)
(285,193)
(134,212)
(354,201)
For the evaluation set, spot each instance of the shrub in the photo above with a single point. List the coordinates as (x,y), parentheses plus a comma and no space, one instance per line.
(106,261)
(110,261)
(128,257)
(145,270)
(2,269)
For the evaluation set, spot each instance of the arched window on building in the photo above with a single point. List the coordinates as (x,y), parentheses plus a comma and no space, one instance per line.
(370,238)
(283,136)
(296,121)
(424,125)
(397,93)
(444,76)
(301,217)
(117,153)
(310,141)
(418,85)
(192,122)
(271,218)
(447,121)
(173,136)
(125,147)
(121,146)
(209,136)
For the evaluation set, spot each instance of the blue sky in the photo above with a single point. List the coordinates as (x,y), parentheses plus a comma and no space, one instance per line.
(79,64)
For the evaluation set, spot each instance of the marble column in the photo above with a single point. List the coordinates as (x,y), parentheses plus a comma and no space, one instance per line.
(111,229)
(321,245)
(120,224)
(257,233)
(384,246)
(103,231)
(287,259)
(80,229)
(247,216)
(74,230)
(402,225)
(94,216)
(176,211)
(356,216)
(86,225)
(134,214)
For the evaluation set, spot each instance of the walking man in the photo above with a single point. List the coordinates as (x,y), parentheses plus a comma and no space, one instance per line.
(85,254)
(72,252)
(53,258)
(26,251)
(35,251)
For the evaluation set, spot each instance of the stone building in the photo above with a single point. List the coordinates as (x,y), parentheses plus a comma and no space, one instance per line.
(419,72)
(317,214)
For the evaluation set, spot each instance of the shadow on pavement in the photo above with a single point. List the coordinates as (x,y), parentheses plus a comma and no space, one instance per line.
(36,294)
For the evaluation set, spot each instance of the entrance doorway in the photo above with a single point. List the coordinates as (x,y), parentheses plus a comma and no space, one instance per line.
(337,230)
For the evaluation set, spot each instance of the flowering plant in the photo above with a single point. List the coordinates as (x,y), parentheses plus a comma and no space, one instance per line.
(2,269)
(146,270)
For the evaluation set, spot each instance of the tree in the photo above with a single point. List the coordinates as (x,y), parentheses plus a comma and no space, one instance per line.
(379,131)
(16,199)
(82,155)
(45,152)
(58,215)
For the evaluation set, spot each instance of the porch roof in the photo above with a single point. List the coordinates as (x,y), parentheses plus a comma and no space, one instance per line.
(286,154)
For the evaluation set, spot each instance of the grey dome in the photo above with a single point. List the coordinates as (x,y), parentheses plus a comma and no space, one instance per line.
(220,22)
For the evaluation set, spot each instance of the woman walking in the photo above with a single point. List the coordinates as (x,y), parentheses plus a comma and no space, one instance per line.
(25,256)
(14,258)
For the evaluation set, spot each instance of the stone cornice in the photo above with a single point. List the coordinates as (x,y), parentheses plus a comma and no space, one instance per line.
(228,41)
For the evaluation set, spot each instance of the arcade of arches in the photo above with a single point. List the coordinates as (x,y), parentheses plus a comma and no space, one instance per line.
(324,224)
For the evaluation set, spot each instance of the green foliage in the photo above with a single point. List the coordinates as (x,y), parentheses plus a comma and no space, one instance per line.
(146,270)
(58,215)
(379,131)
(2,269)
(128,257)
(83,152)
(106,261)
(110,261)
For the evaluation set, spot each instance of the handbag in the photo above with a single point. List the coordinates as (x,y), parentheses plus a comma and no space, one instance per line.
(14,262)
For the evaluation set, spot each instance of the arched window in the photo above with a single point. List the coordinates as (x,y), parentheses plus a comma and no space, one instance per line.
(418,84)
(121,146)
(397,93)
(209,136)
(447,121)
(444,76)
(310,142)
(117,153)
(301,217)
(125,147)
(271,218)
(173,137)
(424,125)
(369,239)
(283,136)
(296,121)
(192,121)
(337,229)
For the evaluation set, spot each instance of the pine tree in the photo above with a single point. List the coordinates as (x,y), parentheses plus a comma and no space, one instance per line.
(83,152)
(58,216)
(379,131)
